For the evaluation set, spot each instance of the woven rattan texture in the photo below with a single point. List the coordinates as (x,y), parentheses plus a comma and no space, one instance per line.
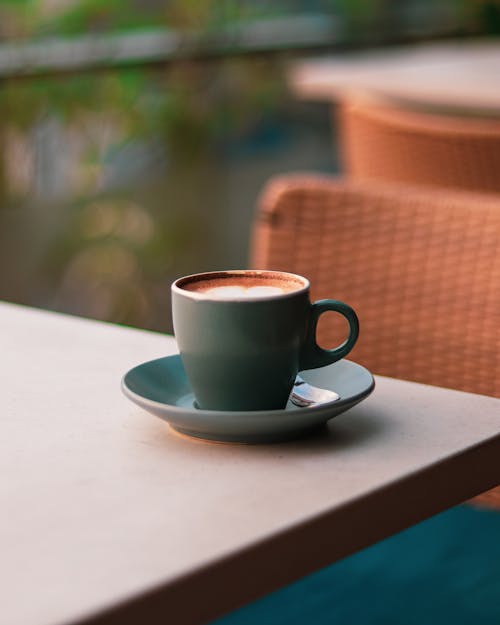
(422,270)
(392,144)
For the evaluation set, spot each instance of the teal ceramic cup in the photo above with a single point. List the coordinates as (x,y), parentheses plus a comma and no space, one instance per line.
(243,352)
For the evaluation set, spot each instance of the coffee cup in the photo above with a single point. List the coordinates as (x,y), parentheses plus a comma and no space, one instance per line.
(243,336)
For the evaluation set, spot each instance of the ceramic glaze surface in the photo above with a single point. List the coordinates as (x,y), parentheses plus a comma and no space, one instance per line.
(243,352)
(162,388)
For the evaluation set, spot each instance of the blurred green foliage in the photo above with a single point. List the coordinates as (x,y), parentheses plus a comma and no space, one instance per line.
(109,250)
(35,18)
(363,20)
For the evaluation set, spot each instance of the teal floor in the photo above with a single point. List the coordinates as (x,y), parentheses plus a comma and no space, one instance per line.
(445,570)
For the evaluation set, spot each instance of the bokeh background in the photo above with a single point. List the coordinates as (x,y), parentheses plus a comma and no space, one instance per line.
(135,138)
(137,134)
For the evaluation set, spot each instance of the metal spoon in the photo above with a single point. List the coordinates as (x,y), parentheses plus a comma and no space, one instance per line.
(303,394)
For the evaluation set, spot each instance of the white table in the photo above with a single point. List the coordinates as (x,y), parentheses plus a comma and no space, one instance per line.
(462,77)
(108,516)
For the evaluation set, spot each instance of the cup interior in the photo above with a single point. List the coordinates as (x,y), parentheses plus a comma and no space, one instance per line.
(241,284)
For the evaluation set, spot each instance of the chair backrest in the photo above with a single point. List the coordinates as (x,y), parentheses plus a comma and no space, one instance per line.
(388,143)
(422,269)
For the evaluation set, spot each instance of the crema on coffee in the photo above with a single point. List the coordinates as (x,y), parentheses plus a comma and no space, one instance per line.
(242,284)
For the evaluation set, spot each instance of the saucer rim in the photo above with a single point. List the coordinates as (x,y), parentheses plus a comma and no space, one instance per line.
(141,399)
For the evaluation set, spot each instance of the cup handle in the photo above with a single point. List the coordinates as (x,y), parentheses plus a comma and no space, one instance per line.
(312,355)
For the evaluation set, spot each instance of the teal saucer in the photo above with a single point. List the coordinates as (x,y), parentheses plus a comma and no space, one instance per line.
(162,388)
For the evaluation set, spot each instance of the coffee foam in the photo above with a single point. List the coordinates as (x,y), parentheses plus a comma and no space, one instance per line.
(230,292)
(251,285)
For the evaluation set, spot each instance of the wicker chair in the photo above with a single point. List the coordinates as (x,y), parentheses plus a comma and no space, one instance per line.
(388,143)
(422,269)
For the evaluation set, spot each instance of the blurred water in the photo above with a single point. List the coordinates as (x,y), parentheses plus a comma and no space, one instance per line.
(106,198)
